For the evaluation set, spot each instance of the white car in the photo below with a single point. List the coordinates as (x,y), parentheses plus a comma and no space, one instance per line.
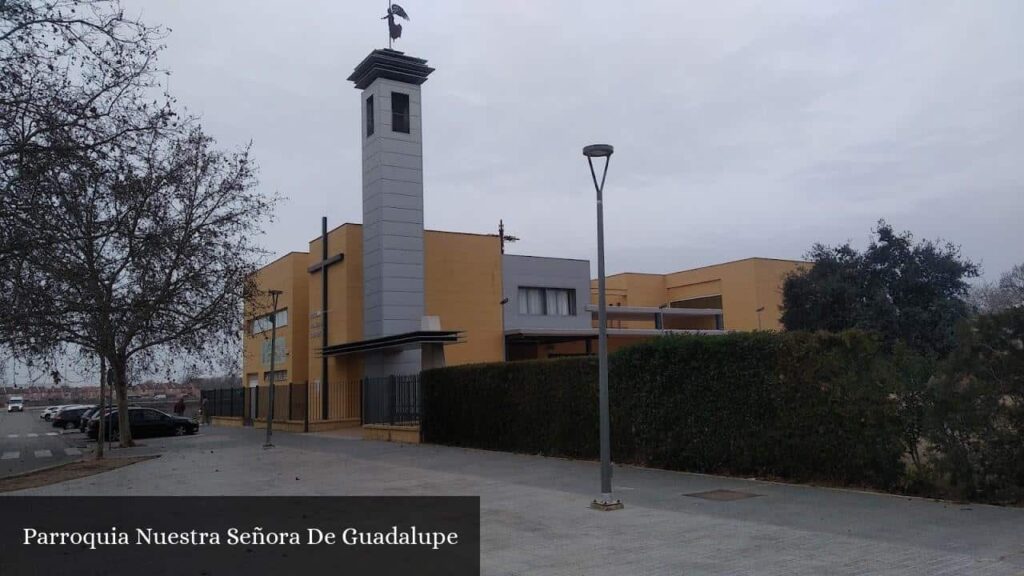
(15,404)
(50,411)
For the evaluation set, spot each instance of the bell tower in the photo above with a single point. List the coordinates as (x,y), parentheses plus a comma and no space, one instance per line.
(391,134)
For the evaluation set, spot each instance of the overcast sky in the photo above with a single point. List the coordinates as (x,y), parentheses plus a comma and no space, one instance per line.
(740,128)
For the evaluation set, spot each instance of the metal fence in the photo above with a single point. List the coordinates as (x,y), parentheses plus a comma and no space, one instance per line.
(224,401)
(391,400)
(289,402)
(388,400)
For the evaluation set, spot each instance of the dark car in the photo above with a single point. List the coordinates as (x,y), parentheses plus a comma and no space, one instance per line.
(83,421)
(144,423)
(92,413)
(68,418)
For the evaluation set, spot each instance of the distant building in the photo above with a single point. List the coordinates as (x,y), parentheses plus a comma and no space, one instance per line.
(36,395)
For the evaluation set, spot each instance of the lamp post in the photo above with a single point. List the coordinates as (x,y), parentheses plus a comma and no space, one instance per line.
(606,501)
(274,294)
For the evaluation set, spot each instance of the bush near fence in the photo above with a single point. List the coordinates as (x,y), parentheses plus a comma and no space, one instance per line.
(834,407)
(805,406)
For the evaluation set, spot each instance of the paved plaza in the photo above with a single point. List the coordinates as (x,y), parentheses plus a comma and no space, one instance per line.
(536,518)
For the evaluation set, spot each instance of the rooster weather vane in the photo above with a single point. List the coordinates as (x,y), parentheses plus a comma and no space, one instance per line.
(394,28)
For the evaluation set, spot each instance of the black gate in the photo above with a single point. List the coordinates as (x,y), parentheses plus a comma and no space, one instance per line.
(224,401)
(391,400)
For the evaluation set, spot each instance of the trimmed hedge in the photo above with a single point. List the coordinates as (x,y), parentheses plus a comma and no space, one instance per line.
(793,405)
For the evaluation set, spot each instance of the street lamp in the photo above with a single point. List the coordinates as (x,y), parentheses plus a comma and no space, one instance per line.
(274,294)
(605,501)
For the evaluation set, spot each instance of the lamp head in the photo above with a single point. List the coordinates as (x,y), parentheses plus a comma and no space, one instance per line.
(598,150)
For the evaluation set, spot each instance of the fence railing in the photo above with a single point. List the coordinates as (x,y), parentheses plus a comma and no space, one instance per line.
(391,400)
(224,401)
(388,400)
(289,402)
(343,400)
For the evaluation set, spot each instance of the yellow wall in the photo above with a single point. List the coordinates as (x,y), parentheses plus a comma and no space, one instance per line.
(344,322)
(463,287)
(744,285)
(288,274)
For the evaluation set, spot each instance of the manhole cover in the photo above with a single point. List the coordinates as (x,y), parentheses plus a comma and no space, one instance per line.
(723,495)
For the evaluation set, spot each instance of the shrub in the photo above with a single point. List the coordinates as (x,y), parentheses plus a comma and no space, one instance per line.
(975,419)
(794,405)
(538,407)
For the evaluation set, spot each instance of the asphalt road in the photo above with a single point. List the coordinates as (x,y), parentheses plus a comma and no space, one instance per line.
(27,442)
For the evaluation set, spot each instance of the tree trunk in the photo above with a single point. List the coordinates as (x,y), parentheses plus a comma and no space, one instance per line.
(121,386)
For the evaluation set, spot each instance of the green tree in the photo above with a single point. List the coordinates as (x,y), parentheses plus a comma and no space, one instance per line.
(976,409)
(907,291)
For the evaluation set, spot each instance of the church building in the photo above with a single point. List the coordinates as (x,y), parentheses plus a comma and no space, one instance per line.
(388,298)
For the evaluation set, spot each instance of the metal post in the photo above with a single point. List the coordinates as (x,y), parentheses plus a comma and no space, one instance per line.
(324,388)
(606,501)
(103,389)
(274,294)
(110,402)
(305,407)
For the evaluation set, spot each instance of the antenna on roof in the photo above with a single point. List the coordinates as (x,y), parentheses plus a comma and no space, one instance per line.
(504,238)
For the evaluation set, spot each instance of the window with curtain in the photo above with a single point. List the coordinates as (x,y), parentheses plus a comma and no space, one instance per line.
(547,301)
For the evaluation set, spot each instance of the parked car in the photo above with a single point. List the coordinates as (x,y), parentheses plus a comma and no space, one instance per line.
(94,413)
(49,411)
(83,420)
(144,422)
(15,404)
(68,417)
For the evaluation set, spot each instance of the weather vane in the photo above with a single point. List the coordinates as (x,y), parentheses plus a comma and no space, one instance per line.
(394,28)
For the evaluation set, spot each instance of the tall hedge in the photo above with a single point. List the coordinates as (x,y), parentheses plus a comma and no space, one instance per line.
(804,406)
(975,410)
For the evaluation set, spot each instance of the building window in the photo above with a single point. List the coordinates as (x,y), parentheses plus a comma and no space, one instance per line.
(369,116)
(280,351)
(262,323)
(547,301)
(700,302)
(277,377)
(400,112)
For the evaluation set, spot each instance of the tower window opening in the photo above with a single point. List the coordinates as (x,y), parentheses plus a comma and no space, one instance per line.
(369,116)
(400,112)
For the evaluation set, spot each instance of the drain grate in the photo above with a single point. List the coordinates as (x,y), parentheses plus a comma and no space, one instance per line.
(723,495)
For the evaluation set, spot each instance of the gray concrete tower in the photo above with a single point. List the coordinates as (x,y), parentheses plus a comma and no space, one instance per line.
(393,301)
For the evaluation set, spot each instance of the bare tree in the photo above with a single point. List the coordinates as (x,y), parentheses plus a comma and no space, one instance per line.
(78,70)
(123,232)
(139,254)
(1002,295)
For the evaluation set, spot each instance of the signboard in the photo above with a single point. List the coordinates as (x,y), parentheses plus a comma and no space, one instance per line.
(316,324)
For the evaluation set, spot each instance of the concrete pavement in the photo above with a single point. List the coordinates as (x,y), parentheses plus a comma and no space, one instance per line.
(28,443)
(536,519)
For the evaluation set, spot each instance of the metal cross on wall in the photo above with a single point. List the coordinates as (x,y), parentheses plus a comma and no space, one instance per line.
(322,267)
